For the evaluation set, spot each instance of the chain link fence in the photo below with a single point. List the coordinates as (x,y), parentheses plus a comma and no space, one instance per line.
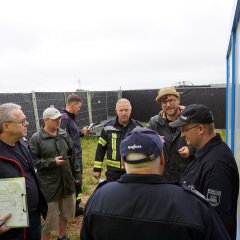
(96,106)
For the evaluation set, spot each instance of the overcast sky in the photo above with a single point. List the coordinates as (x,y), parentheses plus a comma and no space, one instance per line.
(107,44)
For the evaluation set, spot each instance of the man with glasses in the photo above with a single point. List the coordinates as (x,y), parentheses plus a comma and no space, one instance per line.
(175,151)
(213,172)
(55,159)
(16,161)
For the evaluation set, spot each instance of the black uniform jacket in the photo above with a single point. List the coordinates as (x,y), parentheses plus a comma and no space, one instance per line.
(214,173)
(147,207)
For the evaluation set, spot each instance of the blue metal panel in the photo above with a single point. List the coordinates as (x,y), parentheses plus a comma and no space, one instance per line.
(233,91)
(227,87)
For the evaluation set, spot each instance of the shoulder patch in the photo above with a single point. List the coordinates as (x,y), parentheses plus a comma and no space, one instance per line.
(192,190)
(214,197)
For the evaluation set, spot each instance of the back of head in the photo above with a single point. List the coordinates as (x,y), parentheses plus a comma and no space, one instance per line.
(5,113)
(165,92)
(73,98)
(141,148)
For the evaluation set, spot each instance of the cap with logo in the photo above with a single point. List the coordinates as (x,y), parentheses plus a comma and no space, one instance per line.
(194,113)
(166,91)
(51,113)
(141,140)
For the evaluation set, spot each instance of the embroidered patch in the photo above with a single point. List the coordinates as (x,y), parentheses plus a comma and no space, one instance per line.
(214,197)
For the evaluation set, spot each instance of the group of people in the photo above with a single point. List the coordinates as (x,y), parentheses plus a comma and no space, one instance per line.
(175,179)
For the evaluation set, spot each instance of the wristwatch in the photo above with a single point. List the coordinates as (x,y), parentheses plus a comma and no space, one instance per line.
(1,222)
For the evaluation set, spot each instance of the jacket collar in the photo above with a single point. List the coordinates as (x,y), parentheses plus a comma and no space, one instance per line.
(119,125)
(71,115)
(208,146)
(163,115)
(142,178)
(47,135)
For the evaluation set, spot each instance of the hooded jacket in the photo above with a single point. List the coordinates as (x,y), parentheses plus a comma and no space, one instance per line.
(56,181)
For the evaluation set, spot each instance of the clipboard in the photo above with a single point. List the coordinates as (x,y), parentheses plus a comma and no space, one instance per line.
(13,200)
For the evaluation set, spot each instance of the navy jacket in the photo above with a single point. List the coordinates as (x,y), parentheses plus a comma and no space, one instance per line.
(145,207)
(68,123)
(10,168)
(214,173)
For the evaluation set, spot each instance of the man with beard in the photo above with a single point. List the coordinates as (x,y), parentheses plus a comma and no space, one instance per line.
(175,151)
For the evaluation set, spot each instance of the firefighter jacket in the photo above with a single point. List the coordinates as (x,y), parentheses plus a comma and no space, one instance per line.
(109,142)
(174,163)
(147,207)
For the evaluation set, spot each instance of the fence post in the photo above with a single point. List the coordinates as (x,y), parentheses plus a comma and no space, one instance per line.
(89,103)
(120,93)
(35,110)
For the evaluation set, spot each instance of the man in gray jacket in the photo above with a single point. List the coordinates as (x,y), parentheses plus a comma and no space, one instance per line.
(55,160)
(175,151)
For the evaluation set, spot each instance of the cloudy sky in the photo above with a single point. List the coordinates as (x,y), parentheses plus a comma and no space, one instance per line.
(51,45)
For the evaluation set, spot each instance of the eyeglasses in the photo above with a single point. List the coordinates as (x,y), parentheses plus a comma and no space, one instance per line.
(187,129)
(23,122)
(171,101)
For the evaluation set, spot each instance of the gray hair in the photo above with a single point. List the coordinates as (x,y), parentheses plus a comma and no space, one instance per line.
(123,100)
(5,113)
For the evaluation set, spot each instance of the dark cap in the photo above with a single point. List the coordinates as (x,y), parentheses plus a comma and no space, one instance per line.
(141,140)
(194,113)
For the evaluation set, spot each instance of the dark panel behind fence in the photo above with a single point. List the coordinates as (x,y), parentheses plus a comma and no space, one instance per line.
(58,100)
(103,103)
(25,101)
(145,106)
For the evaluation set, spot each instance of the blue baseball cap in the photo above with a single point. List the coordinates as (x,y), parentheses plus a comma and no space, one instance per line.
(141,140)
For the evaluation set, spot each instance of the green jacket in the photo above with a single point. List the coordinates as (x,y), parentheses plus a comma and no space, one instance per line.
(56,182)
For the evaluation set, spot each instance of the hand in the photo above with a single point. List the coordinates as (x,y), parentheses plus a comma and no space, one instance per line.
(77,181)
(4,228)
(59,161)
(97,175)
(85,130)
(162,138)
(184,152)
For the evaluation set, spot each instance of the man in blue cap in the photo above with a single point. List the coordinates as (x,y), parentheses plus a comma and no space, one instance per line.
(214,171)
(143,205)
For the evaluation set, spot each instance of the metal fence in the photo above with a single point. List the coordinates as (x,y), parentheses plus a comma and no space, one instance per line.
(96,106)
(100,105)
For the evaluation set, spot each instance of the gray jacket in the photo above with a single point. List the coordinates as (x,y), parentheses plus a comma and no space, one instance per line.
(174,163)
(56,181)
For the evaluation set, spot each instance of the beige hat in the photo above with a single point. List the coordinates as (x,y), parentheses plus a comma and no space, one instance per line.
(51,113)
(166,91)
